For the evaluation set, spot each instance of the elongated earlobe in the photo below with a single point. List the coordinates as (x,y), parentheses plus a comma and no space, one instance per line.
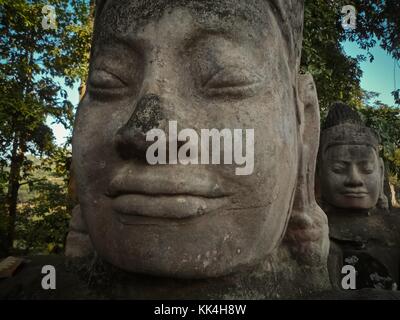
(383,202)
(307,231)
(78,243)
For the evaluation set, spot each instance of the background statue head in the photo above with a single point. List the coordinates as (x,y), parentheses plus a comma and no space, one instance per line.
(205,64)
(350,169)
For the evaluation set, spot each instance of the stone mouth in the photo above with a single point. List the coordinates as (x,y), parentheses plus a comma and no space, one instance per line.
(141,200)
(165,185)
(135,208)
(168,192)
(352,194)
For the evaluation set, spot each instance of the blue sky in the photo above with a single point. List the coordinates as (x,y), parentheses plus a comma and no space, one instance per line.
(58,129)
(377,76)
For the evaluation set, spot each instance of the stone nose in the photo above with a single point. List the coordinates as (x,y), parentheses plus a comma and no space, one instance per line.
(354,178)
(149,113)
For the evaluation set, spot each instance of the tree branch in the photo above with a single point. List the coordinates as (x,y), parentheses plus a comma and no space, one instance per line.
(33,181)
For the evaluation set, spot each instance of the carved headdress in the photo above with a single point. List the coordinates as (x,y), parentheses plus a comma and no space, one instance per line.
(343,125)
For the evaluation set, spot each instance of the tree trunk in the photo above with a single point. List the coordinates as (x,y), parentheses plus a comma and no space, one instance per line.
(82,86)
(17,159)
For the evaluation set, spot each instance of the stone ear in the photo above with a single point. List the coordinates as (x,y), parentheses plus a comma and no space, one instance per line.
(383,202)
(78,243)
(309,132)
(307,230)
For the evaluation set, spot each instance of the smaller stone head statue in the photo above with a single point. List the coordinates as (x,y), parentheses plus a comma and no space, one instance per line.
(350,171)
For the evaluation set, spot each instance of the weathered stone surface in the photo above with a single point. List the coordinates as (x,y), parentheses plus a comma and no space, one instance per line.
(351,189)
(90,278)
(350,171)
(78,242)
(369,242)
(26,284)
(201,231)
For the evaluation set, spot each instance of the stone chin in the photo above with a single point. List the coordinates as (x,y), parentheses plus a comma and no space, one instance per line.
(177,259)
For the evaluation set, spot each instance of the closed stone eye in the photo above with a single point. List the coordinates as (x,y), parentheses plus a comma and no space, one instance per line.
(338,169)
(105,80)
(104,85)
(367,169)
(234,81)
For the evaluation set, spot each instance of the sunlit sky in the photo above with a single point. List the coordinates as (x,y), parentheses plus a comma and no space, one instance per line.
(60,133)
(377,76)
(380,75)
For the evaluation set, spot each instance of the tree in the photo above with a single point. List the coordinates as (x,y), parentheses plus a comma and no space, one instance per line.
(44,209)
(31,61)
(337,75)
(378,21)
(385,121)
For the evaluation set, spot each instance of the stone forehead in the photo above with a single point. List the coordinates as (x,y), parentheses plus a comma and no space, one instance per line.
(119,15)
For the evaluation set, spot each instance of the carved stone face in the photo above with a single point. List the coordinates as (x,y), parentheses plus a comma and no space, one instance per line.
(190,221)
(350,176)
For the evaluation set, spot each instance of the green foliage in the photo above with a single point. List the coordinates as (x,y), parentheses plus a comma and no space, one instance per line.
(32,62)
(44,205)
(385,121)
(378,21)
(337,75)
(42,222)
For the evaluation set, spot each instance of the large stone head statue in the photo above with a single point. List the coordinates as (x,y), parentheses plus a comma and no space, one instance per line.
(204,64)
(350,169)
